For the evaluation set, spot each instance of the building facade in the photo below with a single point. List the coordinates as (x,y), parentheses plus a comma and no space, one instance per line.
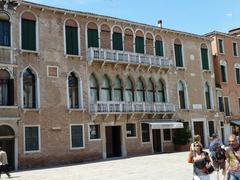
(225,48)
(78,86)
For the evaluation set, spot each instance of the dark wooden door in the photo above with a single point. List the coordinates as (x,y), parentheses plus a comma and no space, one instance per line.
(8,147)
(113,141)
(199,129)
(157,143)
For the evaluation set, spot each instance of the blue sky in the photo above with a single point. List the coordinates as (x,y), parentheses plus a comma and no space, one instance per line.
(192,16)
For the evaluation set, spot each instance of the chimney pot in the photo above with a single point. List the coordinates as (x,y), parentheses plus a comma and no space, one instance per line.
(160,23)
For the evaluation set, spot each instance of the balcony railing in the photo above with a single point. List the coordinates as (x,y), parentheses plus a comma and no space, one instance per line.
(125,107)
(99,54)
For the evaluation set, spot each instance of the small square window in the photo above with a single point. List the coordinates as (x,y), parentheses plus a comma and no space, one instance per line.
(77,138)
(131,130)
(94,131)
(52,71)
(145,133)
(32,139)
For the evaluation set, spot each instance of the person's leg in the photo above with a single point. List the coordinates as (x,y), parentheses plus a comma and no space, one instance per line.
(6,170)
(232,176)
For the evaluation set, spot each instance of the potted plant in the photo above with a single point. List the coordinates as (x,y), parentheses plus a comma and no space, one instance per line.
(181,139)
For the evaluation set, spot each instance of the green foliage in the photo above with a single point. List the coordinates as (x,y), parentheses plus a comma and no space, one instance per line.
(182,136)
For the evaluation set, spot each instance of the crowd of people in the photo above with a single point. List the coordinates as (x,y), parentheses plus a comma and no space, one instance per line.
(224,159)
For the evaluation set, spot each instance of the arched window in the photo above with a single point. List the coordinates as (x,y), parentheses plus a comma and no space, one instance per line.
(139,42)
(117,39)
(118,90)
(129,91)
(140,92)
(92,35)
(160,93)
(182,95)
(178,53)
(237,73)
(71,35)
(128,40)
(4,30)
(94,91)
(149,43)
(106,89)
(29,89)
(223,65)
(28,31)
(73,91)
(150,91)
(6,89)
(207,95)
(159,46)
(204,56)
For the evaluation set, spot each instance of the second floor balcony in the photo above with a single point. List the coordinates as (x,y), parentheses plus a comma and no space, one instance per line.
(123,57)
(113,107)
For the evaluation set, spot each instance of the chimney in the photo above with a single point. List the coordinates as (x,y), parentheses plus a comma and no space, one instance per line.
(159,23)
(234,32)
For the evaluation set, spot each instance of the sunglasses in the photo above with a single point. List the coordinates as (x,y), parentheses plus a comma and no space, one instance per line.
(196,145)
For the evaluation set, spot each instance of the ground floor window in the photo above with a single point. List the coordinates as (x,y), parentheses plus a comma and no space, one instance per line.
(145,132)
(211,128)
(94,131)
(76,135)
(131,129)
(32,138)
(167,135)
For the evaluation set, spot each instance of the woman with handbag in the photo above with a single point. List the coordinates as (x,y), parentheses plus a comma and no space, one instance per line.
(201,163)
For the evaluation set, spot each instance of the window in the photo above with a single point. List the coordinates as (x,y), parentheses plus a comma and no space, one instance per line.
(159,48)
(223,66)
(131,129)
(6,89)
(117,41)
(28,31)
(94,131)
(71,34)
(32,138)
(211,128)
(204,56)
(106,89)
(150,91)
(167,135)
(73,91)
(4,30)
(221,46)
(139,44)
(145,132)
(29,89)
(178,53)
(237,73)
(117,91)
(220,104)
(77,137)
(160,93)
(92,34)
(94,93)
(182,95)
(226,106)
(235,49)
(238,104)
(207,96)
(129,91)
(140,92)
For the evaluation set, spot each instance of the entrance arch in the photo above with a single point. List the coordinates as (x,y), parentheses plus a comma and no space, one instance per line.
(7,142)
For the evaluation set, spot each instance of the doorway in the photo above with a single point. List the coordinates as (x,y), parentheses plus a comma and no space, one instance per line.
(199,129)
(113,141)
(7,143)
(157,140)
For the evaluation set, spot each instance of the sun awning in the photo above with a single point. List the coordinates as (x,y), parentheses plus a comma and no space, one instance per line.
(235,122)
(163,124)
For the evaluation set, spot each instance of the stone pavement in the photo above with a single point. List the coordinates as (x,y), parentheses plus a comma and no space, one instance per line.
(160,166)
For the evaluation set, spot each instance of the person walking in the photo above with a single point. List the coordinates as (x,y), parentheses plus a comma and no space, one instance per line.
(200,162)
(4,163)
(233,158)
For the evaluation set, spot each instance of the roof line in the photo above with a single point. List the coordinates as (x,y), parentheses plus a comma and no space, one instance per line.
(221,33)
(114,19)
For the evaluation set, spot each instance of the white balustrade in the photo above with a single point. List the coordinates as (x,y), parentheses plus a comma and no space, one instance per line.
(100,54)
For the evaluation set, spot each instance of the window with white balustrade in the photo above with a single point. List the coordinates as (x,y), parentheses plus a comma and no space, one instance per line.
(105,89)
(94,91)
(160,92)
(129,90)
(73,90)
(150,91)
(140,91)
(117,90)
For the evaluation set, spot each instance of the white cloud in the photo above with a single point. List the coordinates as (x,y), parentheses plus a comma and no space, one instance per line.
(229,14)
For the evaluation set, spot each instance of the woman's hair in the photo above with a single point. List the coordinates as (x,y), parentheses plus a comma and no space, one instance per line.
(196,138)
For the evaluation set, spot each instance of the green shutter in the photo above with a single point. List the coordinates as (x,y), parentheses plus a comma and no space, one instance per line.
(117,41)
(139,44)
(72,40)
(178,55)
(93,38)
(204,54)
(223,73)
(159,48)
(28,34)
(238,75)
